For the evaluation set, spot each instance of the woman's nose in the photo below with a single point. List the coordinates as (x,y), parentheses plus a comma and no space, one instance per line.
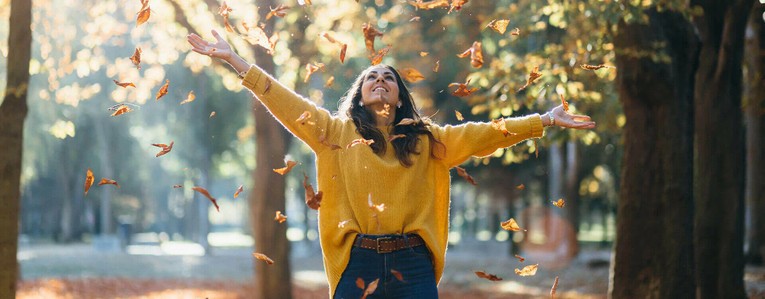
(379,79)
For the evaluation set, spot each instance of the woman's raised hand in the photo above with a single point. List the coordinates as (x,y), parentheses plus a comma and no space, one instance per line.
(220,49)
(566,120)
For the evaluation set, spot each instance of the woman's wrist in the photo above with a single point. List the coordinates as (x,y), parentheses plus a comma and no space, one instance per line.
(547,119)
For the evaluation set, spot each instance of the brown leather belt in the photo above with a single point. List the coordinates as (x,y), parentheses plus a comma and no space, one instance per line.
(387,244)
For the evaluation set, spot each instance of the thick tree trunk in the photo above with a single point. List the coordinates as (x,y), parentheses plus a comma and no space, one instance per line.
(571,192)
(754,114)
(719,164)
(654,250)
(13,111)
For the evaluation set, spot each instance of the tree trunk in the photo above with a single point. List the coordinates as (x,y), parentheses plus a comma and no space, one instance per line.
(719,161)
(654,250)
(754,114)
(571,192)
(13,111)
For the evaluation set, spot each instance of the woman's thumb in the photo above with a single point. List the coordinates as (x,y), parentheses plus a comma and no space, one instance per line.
(216,35)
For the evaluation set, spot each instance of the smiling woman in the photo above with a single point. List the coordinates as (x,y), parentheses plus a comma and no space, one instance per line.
(384,217)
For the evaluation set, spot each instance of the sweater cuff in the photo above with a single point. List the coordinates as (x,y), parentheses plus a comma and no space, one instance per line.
(252,77)
(537,130)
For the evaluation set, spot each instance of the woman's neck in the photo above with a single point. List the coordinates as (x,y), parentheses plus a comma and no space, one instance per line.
(383,117)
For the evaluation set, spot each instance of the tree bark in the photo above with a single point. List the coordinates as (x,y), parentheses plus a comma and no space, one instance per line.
(654,250)
(13,111)
(719,161)
(754,114)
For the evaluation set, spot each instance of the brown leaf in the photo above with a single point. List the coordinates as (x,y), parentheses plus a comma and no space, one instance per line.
(224,9)
(520,187)
(499,25)
(286,169)
(189,98)
(263,257)
(89,179)
(238,191)
(163,90)
(385,111)
(359,141)
(322,140)
(330,81)
(212,114)
(280,217)
(268,86)
(420,4)
(377,58)
(406,122)
(123,84)
(279,11)
(590,67)
(529,270)
(165,148)
(370,33)
(459,115)
(554,288)
(438,64)
(397,275)
(204,192)
(371,287)
(461,172)
(560,203)
(462,89)
(313,200)
(312,68)
(456,5)
(343,49)
(257,36)
(488,276)
(121,109)
(412,75)
(520,258)
(105,181)
(142,16)
(303,119)
(476,55)
(360,283)
(136,58)
(564,102)
(511,225)
(516,32)
(177,186)
(423,54)
(499,125)
(397,136)
(535,74)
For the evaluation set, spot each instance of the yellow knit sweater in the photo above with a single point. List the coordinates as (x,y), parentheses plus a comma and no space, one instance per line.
(416,198)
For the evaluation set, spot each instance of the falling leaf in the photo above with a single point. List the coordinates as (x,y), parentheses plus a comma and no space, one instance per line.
(373,206)
(89,179)
(286,169)
(304,118)
(438,64)
(560,203)
(165,148)
(516,32)
(520,258)
(224,11)
(564,102)
(511,225)
(488,276)
(136,58)
(123,84)
(360,283)
(279,11)
(204,192)
(406,122)
(105,181)
(189,98)
(212,114)
(412,75)
(397,275)
(499,25)
(330,81)
(312,68)
(459,115)
(313,200)
(423,54)
(414,19)
(263,257)
(529,270)
(121,109)
(475,53)
(499,125)
(385,111)
(342,224)
(238,191)
(257,36)
(377,58)
(456,5)
(595,67)
(280,217)
(370,33)
(397,136)
(461,172)
(554,288)
(343,49)
(520,187)
(163,90)
(462,89)
(359,141)
(371,287)
(430,4)
(177,186)
(535,74)
(143,16)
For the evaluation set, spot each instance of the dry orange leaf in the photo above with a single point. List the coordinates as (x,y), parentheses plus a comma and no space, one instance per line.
(280,217)
(456,5)
(529,270)
(165,148)
(377,58)
(488,276)
(360,283)
(123,84)
(406,122)
(89,179)
(312,68)
(257,36)
(535,74)
(286,169)
(303,119)
(343,49)
(438,64)
(370,33)
(560,203)
(429,4)
(520,187)
(499,25)
(343,46)
(595,67)
(263,257)
(359,141)
(459,115)
(238,191)
(520,258)
(397,136)
(371,287)
(204,192)
(475,53)
(511,225)
(564,102)
(462,89)
(136,58)
(279,11)
(121,109)
(342,224)
(105,181)
(189,98)
(385,111)
(322,140)
(516,32)
(554,288)
(177,186)
(330,81)
(412,75)
(461,172)
(268,86)
(163,90)
(142,16)
(423,54)
(397,275)
(313,200)
(499,125)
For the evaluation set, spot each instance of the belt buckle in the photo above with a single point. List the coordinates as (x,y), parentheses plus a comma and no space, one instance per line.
(379,248)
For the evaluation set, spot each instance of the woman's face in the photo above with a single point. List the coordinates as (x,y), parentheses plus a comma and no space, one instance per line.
(379,88)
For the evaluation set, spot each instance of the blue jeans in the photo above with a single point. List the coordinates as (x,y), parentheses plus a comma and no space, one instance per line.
(414,264)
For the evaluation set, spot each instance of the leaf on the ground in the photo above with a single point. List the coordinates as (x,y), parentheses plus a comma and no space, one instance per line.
(475,53)
(511,225)
(163,90)
(136,58)
(488,276)
(204,192)
(529,270)
(238,191)
(461,172)
(520,258)
(462,89)
(499,25)
(560,203)
(590,67)
(165,148)
(304,117)
(123,84)
(312,199)
(554,288)
(280,217)
(412,75)
(397,275)
(279,11)
(89,179)
(105,181)
(459,115)
(535,74)
(359,141)
(263,257)
(189,98)
(312,68)
(284,170)
(370,33)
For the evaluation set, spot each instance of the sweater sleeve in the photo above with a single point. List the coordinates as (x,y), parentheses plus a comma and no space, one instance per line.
(481,139)
(287,106)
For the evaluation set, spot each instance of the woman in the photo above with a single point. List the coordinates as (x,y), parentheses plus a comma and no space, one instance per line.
(409,175)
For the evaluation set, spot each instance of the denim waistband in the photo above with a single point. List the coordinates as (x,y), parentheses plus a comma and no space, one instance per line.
(390,236)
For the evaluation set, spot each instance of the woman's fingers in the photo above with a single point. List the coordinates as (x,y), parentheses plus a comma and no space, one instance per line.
(217,36)
(581,118)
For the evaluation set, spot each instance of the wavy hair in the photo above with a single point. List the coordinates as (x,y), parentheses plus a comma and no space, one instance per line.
(349,108)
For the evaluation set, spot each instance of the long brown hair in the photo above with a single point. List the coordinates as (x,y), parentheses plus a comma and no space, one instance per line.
(365,121)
